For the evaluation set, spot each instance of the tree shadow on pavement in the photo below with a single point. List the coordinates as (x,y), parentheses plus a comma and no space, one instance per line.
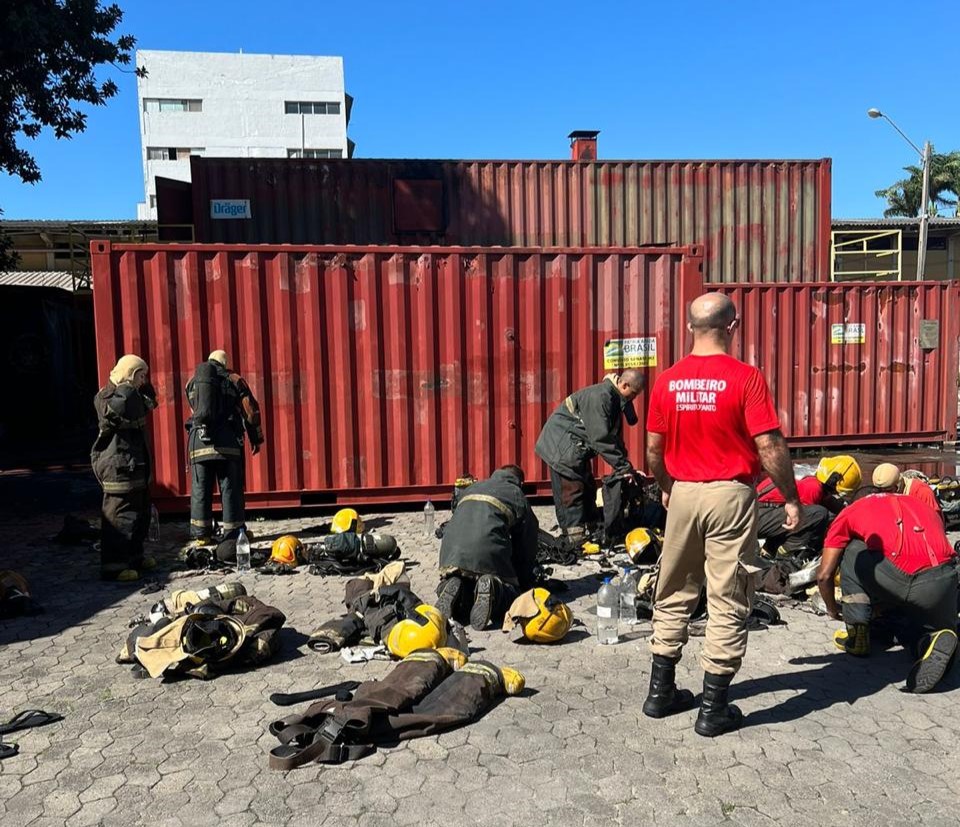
(575,635)
(291,642)
(841,680)
(586,584)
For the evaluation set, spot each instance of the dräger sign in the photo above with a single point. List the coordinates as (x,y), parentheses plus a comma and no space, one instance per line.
(230,208)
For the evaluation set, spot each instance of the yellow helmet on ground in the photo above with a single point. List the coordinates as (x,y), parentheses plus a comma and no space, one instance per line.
(552,621)
(346,519)
(421,631)
(841,473)
(286,550)
(513,681)
(643,545)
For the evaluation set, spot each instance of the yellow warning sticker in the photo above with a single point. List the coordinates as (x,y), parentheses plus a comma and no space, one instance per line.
(853,333)
(637,352)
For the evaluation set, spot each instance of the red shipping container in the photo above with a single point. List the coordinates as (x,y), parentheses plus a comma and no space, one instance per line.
(758,221)
(385,373)
(855,363)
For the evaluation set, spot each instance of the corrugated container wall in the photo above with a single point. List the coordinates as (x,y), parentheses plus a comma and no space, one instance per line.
(855,364)
(758,221)
(385,373)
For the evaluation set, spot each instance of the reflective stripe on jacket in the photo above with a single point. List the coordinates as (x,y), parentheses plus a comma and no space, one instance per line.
(120,456)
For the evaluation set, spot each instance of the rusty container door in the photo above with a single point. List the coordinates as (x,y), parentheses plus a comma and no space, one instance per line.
(855,363)
(385,373)
(758,221)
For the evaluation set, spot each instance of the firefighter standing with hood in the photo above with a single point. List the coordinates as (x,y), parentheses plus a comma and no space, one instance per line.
(711,425)
(121,463)
(587,424)
(223,409)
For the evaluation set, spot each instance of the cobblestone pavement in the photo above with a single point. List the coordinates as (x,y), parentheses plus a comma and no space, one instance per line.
(828,739)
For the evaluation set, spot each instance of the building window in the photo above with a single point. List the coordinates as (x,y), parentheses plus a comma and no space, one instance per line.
(172,105)
(314,153)
(153,202)
(312,107)
(173,153)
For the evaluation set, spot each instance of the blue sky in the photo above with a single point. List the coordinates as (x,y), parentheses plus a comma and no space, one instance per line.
(684,79)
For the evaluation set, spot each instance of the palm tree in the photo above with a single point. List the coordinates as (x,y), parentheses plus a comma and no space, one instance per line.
(903,197)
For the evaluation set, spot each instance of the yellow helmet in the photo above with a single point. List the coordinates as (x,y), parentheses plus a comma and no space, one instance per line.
(841,472)
(286,550)
(346,519)
(513,681)
(643,545)
(422,631)
(552,621)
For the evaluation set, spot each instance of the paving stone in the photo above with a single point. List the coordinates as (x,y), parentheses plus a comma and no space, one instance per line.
(828,739)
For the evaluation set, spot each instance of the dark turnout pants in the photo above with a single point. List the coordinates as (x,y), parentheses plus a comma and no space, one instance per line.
(228,475)
(574,498)
(124,522)
(926,601)
(814,521)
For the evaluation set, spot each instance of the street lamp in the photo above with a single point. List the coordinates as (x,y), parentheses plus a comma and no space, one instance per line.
(925,198)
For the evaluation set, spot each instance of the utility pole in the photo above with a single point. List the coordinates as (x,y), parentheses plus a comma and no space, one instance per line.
(924,213)
(925,155)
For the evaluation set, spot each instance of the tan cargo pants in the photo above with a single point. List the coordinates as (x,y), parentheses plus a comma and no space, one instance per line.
(711,535)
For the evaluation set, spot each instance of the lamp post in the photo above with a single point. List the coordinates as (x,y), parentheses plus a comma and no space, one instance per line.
(924,154)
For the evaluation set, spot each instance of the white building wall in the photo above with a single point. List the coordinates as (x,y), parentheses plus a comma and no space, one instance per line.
(243,112)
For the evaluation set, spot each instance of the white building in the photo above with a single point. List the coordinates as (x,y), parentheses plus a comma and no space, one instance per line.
(236,105)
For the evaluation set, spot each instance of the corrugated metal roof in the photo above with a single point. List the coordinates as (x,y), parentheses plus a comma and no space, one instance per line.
(49,222)
(892,223)
(37,278)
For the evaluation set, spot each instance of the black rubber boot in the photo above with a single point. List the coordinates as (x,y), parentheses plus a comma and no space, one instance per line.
(937,653)
(664,698)
(486,600)
(448,595)
(717,716)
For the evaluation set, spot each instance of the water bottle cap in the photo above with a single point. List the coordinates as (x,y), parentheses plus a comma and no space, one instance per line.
(607,580)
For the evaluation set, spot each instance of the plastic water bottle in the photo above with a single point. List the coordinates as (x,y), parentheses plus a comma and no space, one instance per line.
(608,612)
(153,533)
(243,552)
(428,518)
(628,596)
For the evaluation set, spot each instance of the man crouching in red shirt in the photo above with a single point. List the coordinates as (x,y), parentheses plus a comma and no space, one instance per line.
(710,427)
(892,553)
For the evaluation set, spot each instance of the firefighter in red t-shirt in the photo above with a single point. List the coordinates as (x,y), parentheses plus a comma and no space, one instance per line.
(888,478)
(893,554)
(821,495)
(711,425)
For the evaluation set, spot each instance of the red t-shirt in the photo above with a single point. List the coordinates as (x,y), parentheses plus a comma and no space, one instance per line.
(810,490)
(709,409)
(919,490)
(909,533)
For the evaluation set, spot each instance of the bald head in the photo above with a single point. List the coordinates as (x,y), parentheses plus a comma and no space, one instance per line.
(631,383)
(711,311)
